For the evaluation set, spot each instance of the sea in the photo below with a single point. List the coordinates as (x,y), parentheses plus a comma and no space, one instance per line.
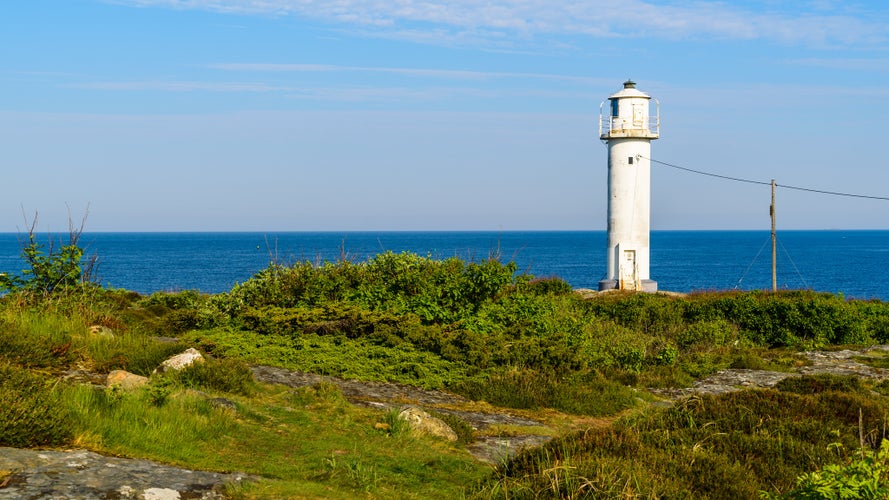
(854,263)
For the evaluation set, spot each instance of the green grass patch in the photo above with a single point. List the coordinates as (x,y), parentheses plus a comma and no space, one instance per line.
(331,355)
(580,394)
(32,412)
(304,443)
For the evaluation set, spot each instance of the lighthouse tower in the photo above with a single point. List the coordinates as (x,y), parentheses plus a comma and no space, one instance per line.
(627,129)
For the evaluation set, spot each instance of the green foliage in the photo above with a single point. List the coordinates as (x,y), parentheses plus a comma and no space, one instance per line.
(223,375)
(465,432)
(729,446)
(51,266)
(32,340)
(31,411)
(395,425)
(182,311)
(159,390)
(331,355)
(816,384)
(135,352)
(795,319)
(582,394)
(865,475)
(436,291)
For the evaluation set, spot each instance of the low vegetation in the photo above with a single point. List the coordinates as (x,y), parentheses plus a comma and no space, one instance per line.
(478,329)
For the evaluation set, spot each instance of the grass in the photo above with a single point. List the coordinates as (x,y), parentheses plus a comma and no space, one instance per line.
(314,444)
(729,446)
(331,355)
(501,339)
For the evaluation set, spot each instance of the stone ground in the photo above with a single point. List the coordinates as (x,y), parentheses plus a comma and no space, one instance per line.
(384,396)
(39,474)
(70,474)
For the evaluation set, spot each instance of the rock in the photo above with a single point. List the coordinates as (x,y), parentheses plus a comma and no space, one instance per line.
(83,474)
(125,380)
(183,360)
(585,293)
(101,331)
(223,403)
(424,423)
(161,494)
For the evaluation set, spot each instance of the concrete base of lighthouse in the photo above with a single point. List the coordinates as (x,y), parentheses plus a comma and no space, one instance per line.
(649,286)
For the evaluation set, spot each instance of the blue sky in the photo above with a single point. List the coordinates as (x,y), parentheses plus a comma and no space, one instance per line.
(275,115)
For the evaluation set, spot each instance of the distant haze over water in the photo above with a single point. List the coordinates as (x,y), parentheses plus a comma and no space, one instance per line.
(855,263)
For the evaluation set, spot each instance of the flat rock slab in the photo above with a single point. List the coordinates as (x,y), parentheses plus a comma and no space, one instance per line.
(840,363)
(357,390)
(497,450)
(384,395)
(86,475)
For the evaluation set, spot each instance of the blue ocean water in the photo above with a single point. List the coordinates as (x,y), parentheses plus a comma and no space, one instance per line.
(854,263)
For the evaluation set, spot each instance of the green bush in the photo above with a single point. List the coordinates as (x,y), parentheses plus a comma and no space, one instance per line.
(224,375)
(135,353)
(436,291)
(32,412)
(865,475)
(53,265)
(581,394)
(816,384)
(733,445)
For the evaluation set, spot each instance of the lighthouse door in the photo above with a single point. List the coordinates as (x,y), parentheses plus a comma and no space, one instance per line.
(628,271)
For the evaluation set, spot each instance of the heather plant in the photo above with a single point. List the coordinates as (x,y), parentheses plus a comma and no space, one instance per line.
(31,410)
(734,445)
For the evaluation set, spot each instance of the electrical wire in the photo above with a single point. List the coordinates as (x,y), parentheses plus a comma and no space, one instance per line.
(786,186)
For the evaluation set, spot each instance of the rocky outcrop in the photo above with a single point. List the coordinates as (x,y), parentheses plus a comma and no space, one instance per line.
(86,475)
(840,363)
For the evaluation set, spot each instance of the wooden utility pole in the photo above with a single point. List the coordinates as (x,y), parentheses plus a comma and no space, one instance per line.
(774,243)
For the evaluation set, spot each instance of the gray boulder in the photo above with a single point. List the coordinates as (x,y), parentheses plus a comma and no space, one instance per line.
(125,380)
(424,423)
(180,361)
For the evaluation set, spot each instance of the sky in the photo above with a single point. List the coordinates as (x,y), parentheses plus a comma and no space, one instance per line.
(346,115)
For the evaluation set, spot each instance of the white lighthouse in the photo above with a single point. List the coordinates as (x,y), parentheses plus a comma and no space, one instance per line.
(628,129)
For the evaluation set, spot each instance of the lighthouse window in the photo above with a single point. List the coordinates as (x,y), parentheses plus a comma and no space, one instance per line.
(630,160)
(614,108)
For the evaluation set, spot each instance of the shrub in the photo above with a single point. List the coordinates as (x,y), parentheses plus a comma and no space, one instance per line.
(31,411)
(816,384)
(548,286)
(224,375)
(37,340)
(864,475)
(708,333)
(583,394)
(133,352)
(53,265)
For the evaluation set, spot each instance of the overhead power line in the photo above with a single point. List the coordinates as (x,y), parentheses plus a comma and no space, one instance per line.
(786,186)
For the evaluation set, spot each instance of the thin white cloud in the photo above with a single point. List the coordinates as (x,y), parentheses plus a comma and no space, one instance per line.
(415,72)
(853,64)
(179,86)
(819,23)
(337,93)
